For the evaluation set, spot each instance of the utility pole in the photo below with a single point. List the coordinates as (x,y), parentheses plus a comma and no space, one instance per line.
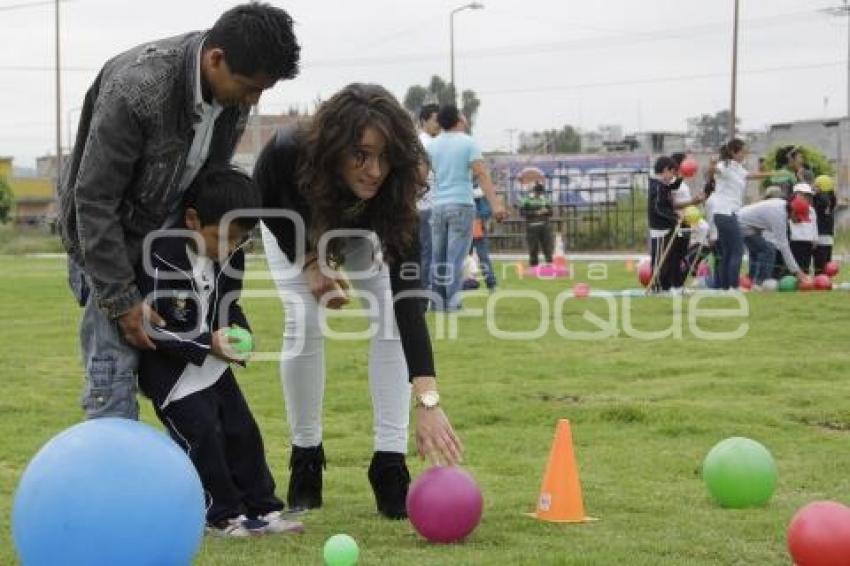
(58,101)
(844,11)
(510,132)
(732,109)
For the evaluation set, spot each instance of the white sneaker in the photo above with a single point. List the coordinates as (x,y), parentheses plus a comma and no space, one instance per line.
(277,524)
(238,527)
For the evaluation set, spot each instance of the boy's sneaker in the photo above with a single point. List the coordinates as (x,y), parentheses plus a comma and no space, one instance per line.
(305,479)
(238,527)
(390,480)
(277,523)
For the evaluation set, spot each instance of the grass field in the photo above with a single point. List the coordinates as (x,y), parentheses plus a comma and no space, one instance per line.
(644,413)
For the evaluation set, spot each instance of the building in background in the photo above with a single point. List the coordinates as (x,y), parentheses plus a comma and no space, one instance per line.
(34,196)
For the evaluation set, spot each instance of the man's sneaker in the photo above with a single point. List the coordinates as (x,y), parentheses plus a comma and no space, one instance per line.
(305,479)
(238,527)
(390,480)
(278,524)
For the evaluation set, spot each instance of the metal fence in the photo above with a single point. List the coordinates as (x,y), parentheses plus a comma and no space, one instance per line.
(598,202)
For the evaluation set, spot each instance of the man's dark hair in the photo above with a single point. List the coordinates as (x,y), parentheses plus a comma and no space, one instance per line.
(256,38)
(663,163)
(219,190)
(427,110)
(448,116)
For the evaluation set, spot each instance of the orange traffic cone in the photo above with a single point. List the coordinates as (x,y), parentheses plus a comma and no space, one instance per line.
(630,265)
(560,495)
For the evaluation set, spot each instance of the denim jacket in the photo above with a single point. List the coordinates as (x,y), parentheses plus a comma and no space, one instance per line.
(135,132)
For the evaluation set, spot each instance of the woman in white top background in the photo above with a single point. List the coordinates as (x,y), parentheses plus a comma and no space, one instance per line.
(730,178)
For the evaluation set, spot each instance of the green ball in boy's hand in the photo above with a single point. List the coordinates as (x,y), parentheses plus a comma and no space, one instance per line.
(244,342)
(341,550)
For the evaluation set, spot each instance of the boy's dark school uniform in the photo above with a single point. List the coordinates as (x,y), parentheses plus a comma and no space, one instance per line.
(214,425)
(824,204)
(662,216)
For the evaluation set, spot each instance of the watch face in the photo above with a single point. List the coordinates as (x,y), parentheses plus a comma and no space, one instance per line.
(429,398)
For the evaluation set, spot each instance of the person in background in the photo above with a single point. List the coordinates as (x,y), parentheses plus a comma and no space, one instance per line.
(663,225)
(730,178)
(455,158)
(804,234)
(682,198)
(825,203)
(429,128)
(480,242)
(764,225)
(536,209)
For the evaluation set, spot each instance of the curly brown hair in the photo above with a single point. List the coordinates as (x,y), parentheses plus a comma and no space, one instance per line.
(328,139)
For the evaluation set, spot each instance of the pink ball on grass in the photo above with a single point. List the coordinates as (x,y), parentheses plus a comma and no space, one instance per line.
(444,504)
(823,283)
(581,290)
(831,268)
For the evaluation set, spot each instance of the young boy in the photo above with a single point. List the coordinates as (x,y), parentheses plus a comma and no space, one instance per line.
(537,210)
(663,222)
(193,282)
(804,235)
(825,203)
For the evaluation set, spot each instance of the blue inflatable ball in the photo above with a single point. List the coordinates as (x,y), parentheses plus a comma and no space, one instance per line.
(105,492)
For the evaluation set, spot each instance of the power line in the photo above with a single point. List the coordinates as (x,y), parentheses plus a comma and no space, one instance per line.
(656,80)
(24,5)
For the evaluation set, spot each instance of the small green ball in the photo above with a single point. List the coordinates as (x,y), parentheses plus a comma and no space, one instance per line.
(740,472)
(788,283)
(244,343)
(341,550)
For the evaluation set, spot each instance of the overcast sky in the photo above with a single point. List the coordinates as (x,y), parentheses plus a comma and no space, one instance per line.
(644,64)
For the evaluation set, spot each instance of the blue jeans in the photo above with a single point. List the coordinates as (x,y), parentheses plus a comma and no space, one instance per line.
(482,250)
(730,249)
(451,236)
(111,363)
(762,258)
(425,248)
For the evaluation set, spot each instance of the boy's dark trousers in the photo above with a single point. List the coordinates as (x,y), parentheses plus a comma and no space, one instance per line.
(670,271)
(822,256)
(539,237)
(680,268)
(802,252)
(217,430)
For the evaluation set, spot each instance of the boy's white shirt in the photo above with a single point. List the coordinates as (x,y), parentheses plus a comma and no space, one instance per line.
(700,232)
(805,231)
(682,194)
(197,378)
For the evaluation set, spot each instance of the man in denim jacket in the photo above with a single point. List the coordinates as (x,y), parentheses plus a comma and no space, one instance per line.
(154,116)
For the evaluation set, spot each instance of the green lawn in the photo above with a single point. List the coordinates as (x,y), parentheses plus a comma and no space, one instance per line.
(644,413)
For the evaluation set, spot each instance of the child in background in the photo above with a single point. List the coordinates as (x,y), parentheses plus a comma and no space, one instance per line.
(663,223)
(536,209)
(824,203)
(480,242)
(194,281)
(804,234)
(682,199)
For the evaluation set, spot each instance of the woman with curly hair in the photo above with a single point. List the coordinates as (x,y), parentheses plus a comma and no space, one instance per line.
(352,175)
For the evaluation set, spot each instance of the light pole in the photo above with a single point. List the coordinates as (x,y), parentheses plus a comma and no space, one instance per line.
(844,11)
(732,110)
(470,6)
(58,102)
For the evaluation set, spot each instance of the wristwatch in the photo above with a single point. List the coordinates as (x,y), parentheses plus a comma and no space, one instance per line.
(428,399)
